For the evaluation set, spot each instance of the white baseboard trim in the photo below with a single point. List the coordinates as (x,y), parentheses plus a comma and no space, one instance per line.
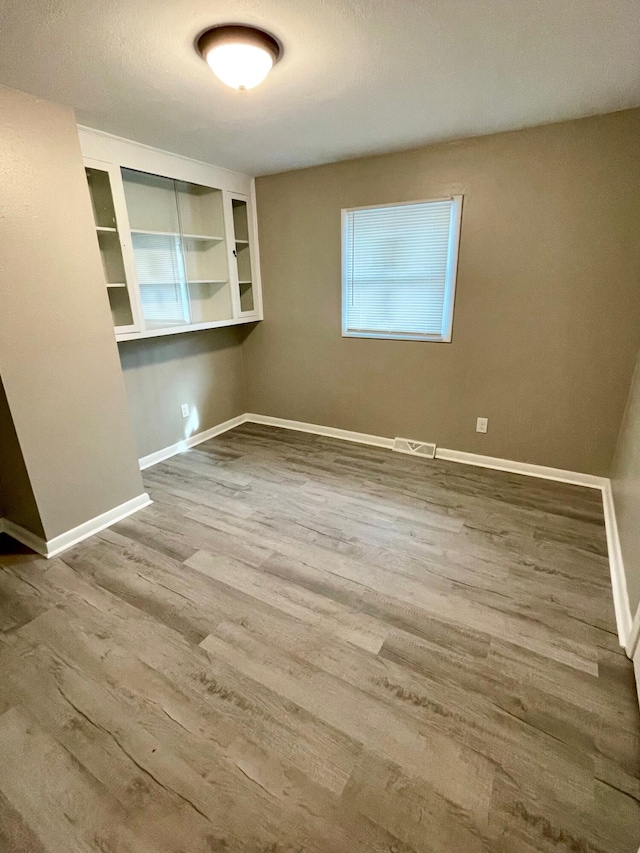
(624,618)
(317,429)
(633,645)
(636,669)
(541,471)
(24,536)
(186,443)
(628,629)
(52,547)
(441,453)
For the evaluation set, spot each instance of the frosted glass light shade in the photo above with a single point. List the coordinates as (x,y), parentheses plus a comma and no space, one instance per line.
(241,57)
(241,66)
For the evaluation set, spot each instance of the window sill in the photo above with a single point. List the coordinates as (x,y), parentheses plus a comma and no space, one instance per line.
(380,336)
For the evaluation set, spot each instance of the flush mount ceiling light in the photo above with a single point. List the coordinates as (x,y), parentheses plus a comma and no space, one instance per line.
(239,56)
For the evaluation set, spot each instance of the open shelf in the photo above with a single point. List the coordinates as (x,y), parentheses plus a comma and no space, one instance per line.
(111,256)
(120,307)
(205,260)
(101,199)
(200,210)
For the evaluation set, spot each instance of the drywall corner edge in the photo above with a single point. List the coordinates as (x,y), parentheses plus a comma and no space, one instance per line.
(52,547)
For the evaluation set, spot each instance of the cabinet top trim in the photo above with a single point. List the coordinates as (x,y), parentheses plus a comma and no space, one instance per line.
(99,145)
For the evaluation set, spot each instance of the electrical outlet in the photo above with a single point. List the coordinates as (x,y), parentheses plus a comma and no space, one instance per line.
(482,424)
(185,410)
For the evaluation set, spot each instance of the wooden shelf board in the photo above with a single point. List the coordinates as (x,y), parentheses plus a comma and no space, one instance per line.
(116,284)
(189,281)
(242,242)
(246,281)
(104,229)
(207,238)
(155,233)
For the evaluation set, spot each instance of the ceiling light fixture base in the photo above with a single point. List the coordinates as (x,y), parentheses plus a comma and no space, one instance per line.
(238,55)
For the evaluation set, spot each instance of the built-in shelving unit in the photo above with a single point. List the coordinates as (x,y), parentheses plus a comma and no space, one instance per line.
(177,239)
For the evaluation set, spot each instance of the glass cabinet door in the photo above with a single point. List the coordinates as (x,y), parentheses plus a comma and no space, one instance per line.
(201,217)
(155,236)
(242,254)
(179,247)
(99,178)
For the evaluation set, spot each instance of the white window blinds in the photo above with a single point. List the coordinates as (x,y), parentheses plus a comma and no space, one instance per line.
(162,279)
(399,269)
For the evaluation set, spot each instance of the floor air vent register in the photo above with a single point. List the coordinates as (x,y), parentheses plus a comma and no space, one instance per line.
(414,448)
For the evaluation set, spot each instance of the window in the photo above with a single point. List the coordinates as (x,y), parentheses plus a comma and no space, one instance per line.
(399,270)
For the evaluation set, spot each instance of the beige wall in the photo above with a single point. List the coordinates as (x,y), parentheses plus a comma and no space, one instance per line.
(58,357)
(547,317)
(17,502)
(203,369)
(625,483)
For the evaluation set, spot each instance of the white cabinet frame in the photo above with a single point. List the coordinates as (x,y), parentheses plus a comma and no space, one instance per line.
(111,153)
(256,311)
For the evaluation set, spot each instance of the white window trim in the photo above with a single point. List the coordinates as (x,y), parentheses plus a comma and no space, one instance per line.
(450,280)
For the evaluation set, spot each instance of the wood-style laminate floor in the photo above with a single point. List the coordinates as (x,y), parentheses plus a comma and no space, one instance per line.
(310,645)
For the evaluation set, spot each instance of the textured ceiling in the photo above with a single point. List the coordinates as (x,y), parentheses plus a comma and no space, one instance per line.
(357,76)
